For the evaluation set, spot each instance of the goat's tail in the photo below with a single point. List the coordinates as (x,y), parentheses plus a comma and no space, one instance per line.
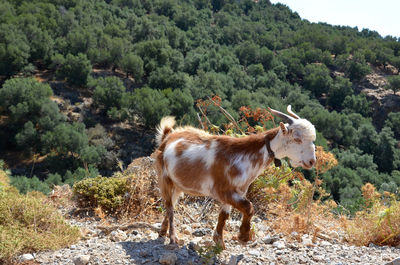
(166,126)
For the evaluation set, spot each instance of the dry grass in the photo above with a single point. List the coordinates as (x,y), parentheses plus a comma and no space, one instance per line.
(290,198)
(378,223)
(28,223)
(143,201)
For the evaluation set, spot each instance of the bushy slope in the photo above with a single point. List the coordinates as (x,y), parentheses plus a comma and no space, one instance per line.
(176,52)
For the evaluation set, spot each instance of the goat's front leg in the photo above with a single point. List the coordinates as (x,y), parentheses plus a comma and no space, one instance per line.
(219,230)
(246,208)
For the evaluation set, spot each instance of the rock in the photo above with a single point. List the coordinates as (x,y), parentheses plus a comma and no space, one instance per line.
(82,260)
(194,246)
(325,244)
(183,252)
(118,235)
(233,260)
(394,262)
(168,258)
(294,234)
(279,244)
(318,258)
(270,239)
(187,230)
(254,252)
(202,232)
(26,257)
(143,253)
(306,240)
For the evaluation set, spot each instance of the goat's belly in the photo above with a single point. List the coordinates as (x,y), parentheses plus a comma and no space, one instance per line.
(194,184)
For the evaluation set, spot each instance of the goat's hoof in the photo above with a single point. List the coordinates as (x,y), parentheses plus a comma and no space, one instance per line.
(243,238)
(173,240)
(219,241)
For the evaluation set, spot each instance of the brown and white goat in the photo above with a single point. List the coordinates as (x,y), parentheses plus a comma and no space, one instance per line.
(222,167)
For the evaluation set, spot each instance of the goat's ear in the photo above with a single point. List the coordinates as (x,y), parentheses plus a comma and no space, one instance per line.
(283,128)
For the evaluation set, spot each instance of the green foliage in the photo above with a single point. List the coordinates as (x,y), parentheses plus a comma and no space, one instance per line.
(108,93)
(317,79)
(393,122)
(76,69)
(149,104)
(394,83)
(107,193)
(31,112)
(132,64)
(247,52)
(14,49)
(25,184)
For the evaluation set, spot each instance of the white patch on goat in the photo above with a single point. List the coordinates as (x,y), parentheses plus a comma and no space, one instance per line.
(170,156)
(264,153)
(207,186)
(243,164)
(200,152)
(236,197)
(226,207)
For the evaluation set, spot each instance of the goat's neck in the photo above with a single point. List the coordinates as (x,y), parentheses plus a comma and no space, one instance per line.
(278,145)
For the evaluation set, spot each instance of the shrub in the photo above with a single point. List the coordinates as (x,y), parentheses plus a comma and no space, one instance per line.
(378,222)
(25,184)
(106,193)
(28,223)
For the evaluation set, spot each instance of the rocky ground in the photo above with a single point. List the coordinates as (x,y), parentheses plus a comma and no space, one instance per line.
(138,243)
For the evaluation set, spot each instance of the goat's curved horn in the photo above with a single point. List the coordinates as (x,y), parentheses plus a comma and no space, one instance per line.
(286,118)
(291,113)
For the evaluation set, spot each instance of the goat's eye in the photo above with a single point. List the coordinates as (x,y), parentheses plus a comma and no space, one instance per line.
(297,140)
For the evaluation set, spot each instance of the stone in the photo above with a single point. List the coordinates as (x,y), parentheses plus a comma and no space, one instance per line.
(168,258)
(118,235)
(254,252)
(318,258)
(294,234)
(202,232)
(26,257)
(306,240)
(143,253)
(233,260)
(325,244)
(279,244)
(82,260)
(270,239)
(186,229)
(394,262)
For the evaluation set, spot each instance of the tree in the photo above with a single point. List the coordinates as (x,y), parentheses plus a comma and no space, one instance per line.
(317,79)
(30,111)
(384,155)
(393,122)
(14,49)
(108,93)
(150,105)
(394,83)
(340,89)
(132,64)
(76,69)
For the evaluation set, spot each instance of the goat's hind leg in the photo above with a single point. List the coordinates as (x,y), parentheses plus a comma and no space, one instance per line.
(170,195)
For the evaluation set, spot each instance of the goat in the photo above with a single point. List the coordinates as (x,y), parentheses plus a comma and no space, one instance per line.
(195,162)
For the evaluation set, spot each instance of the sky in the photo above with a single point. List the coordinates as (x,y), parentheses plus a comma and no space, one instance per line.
(382,16)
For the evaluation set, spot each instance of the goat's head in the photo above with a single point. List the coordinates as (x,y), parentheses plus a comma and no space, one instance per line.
(297,138)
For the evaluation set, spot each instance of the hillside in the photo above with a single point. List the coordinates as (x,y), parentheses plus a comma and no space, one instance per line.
(84,83)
